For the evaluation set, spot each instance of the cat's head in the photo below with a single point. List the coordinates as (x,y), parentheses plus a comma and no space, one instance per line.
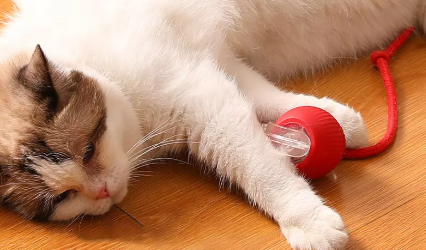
(64,135)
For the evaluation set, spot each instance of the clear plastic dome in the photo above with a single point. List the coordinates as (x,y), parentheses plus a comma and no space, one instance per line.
(291,141)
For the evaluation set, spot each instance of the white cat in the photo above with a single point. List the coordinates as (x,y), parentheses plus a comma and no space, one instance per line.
(114,84)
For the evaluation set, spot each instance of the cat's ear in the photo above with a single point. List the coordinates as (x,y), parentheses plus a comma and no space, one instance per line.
(36,76)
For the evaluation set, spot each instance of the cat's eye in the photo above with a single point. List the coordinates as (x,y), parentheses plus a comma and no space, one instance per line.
(62,196)
(65,195)
(90,151)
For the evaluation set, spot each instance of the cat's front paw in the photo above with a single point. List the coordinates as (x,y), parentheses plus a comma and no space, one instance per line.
(351,122)
(321,230)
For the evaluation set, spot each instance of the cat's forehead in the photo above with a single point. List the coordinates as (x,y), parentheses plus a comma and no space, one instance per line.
(80,112)
(81,120)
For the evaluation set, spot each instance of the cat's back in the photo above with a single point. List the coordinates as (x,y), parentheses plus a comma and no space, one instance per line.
(78,27)
(125,24)
(127,37)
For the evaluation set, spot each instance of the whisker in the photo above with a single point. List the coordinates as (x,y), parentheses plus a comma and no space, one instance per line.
(136,171)
(146,139)
(152,134)
(136,155)
(136,166)
(82,217)
(133,218)
(159,145)
(141,175)
(74,220)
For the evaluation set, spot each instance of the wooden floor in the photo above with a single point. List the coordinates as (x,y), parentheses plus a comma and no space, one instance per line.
(382,199)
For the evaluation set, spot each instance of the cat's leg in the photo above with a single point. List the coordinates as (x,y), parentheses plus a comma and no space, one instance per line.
(225,133)
(270,102)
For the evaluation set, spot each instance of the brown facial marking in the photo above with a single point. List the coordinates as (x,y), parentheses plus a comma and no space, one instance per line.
(49,115)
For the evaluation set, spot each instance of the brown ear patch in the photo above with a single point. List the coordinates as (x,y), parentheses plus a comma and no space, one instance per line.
(49,115)
(36,76)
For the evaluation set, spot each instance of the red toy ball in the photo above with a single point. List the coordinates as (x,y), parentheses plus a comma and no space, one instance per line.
(326,136)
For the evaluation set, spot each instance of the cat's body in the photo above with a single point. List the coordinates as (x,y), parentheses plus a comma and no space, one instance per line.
(173,72)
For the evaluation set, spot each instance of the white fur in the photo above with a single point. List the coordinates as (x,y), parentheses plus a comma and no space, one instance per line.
(185,64)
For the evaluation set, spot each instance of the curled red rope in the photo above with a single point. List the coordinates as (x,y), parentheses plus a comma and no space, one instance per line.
(381,60)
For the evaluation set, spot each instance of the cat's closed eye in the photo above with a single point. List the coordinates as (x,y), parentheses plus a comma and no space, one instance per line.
(64,195)
(90,151)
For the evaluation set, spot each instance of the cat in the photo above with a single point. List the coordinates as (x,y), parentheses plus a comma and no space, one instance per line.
(89,90)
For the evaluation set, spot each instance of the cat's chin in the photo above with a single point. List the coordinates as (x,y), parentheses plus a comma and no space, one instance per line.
(78,206)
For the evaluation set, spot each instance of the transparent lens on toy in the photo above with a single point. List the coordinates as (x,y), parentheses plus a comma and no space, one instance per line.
(292,142)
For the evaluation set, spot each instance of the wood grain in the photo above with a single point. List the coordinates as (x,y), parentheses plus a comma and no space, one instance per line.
(381,199)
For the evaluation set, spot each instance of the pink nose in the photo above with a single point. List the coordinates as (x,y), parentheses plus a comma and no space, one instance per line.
(103,193)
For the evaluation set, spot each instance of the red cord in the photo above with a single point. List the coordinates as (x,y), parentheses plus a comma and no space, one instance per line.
(381,60)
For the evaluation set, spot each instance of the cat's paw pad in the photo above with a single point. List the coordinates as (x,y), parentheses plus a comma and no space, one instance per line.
(351,122)
(324,230)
